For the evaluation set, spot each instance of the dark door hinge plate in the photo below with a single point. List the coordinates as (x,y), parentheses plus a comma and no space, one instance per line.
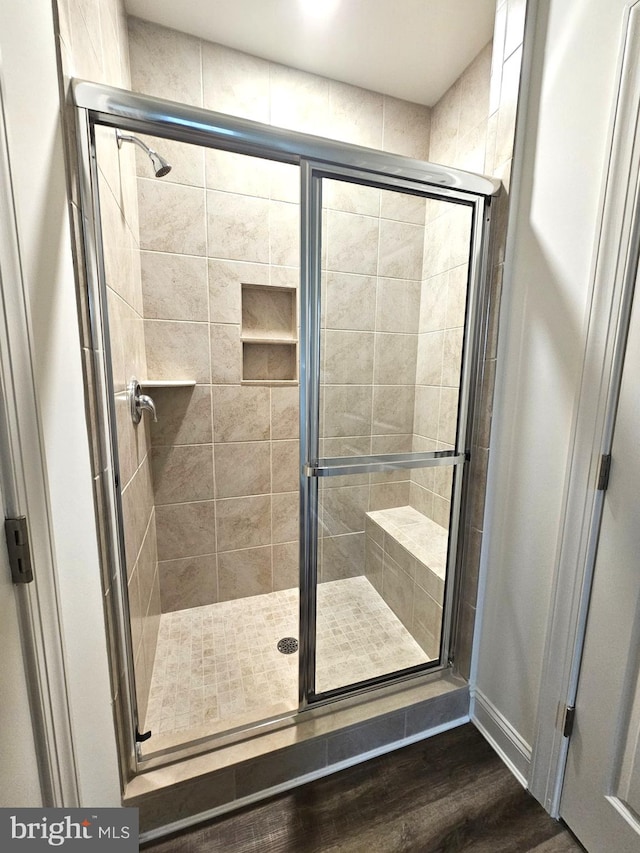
(17,535)
(569,717)
(605,470)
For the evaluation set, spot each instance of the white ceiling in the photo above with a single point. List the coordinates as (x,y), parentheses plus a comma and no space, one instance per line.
(411,49)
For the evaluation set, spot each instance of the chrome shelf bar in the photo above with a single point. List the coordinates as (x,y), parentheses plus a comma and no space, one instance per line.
(388,462)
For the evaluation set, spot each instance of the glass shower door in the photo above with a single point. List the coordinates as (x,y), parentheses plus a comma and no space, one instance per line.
(391,284)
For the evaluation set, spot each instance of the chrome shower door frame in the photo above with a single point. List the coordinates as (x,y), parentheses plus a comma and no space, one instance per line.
(98,104)
(312,466)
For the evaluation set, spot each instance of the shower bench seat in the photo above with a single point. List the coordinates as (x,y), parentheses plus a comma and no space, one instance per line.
(417,544)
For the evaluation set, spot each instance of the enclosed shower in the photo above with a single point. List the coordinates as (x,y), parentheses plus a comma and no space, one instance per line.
(291,332)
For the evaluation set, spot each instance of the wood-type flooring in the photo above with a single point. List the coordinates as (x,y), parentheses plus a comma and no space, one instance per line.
(449,793)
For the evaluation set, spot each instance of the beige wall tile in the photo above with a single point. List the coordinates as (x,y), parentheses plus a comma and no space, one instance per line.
(244,573)
(392,443)
(471,150)
(427,613)
(174,287)
(474,91)
(127,445)
(286,570)
(395,359)
(284,234)
(350,198)
(402,207)
(348,301)
(285,466)
(238,173)
(347,358)
(241,413)
(406,128)
(448,415)
(225,285)
(137,505)
(147,564)
(508,105)
(243,469)
(347,410)
(445,117)
(342,510)
(401,247)
(452,357)
(433,303)
(285,418)
(398,591)
(299,101)
(355,115)
(393,408)
(243,522)
(189,582)
(373,563)
(398,305)
(172,217)
(516,10)
(427,411)
(497,61)
(285,523)
(235,83)
(342,557)
(165,63)
(182,473)
(177,350)
(437,245)
(458,220)
(226,354)
(430,354)
(186,529)
(237,227)
(184,416)
(116,240)
(421,499)
(352,243)
(284,182)
(135,610)
(386,495)
(456,297)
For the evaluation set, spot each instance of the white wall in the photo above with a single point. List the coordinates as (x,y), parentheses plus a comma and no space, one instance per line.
(542,336)
(32,107)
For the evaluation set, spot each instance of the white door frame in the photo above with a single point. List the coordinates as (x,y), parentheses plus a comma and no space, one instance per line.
(614,268)
(23,481)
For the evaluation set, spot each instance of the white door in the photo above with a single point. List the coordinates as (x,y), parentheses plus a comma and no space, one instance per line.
(601,793)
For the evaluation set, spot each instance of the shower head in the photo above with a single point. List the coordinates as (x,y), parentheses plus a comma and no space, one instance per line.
(160,165)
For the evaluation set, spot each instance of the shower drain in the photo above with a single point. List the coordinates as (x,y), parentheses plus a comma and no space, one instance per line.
(288,645)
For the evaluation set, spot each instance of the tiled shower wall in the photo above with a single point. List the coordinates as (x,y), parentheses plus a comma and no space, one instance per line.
(226,490)
(224,453)
(371,281)
(473,128)
(93,44)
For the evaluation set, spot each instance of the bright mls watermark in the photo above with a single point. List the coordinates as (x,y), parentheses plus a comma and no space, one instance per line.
(102,830)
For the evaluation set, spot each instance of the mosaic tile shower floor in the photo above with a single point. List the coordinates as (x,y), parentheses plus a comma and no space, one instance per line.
(218,666)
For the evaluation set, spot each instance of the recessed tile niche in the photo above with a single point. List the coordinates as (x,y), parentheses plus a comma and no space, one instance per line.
(269,334)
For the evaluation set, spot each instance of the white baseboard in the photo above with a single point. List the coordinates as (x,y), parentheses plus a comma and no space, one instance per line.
(512,749)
